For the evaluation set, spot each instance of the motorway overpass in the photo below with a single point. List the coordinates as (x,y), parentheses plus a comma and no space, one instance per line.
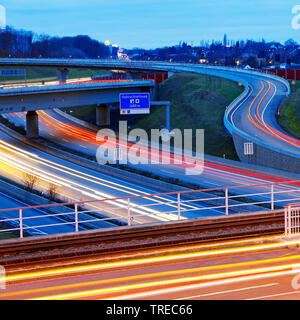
(217,173)
(251,119)
(67,95)
(101,94)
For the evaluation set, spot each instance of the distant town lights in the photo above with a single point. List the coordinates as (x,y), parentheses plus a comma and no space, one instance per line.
(107,42)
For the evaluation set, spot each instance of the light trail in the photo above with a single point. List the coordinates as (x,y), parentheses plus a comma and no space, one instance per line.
(168,273)
(90,178)
(182,284)
(209,168)
(262,125)
(19,164)
(180,288)
(150,261)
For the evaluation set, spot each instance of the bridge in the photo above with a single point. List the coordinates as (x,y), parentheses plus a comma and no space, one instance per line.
(251,81)
(267,147)
(101,94)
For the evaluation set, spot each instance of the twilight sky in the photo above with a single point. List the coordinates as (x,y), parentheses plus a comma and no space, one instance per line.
(155,23)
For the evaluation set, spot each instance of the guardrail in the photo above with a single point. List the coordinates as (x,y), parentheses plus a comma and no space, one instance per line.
(95,85)
(292,220)
(227,123)
(148,208)
(69,82)
(163,66)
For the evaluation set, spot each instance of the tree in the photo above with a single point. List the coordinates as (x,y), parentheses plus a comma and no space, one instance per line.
(291,42)
(30,180)
(52,191)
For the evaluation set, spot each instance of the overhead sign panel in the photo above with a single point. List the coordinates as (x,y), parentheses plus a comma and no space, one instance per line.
(134,103)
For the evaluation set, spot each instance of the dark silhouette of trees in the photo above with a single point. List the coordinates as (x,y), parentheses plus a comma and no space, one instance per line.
(20,43)
(15,43)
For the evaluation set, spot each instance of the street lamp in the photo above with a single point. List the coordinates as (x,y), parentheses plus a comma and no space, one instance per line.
(293,85)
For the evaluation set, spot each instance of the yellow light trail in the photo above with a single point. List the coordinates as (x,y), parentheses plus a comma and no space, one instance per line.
(132,191)
(85,176)
(257,273)
(45,175)
(151,275)
(144,261)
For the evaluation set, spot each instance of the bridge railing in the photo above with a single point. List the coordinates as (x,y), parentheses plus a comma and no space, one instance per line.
(149,208)
(292,220)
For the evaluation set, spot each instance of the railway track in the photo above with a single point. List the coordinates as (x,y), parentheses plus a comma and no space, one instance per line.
(39,250)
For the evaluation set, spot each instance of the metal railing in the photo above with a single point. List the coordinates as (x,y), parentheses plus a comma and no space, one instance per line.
(149,208)
(93,85)
(292,220)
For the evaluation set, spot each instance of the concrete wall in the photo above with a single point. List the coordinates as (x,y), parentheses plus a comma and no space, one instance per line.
(264,155)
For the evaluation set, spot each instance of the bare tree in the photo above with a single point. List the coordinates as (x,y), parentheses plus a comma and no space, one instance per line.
(52,191)
(30,180)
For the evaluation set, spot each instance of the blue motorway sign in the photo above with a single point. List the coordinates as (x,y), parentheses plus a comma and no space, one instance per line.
(134,103)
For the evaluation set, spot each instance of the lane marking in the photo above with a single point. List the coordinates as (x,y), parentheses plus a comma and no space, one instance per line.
(228,291)
(160,292)
(274,295)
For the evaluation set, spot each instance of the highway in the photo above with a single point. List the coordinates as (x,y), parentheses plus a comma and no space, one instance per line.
(256,115)
(77,183)
(236,270)
(40,83)
(32,227)
(257,108)
(217,172)
(264,98)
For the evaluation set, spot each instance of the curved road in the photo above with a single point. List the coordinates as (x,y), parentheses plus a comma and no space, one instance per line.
(252,116)
(263,128)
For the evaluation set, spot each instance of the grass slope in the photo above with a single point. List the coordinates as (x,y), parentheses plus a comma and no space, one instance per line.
(4,236)
(289,117)
(197,102)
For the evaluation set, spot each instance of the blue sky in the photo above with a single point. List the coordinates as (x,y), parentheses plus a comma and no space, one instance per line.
(155,23)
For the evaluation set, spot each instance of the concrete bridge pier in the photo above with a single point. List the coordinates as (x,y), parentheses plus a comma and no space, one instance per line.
(103,115)
(32,125)
(62,75)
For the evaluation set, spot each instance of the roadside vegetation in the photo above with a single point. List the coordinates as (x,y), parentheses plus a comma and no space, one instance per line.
(4,236)
(197,102)
(289,113)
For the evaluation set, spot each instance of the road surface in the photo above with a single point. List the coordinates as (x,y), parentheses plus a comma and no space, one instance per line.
(251,274)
